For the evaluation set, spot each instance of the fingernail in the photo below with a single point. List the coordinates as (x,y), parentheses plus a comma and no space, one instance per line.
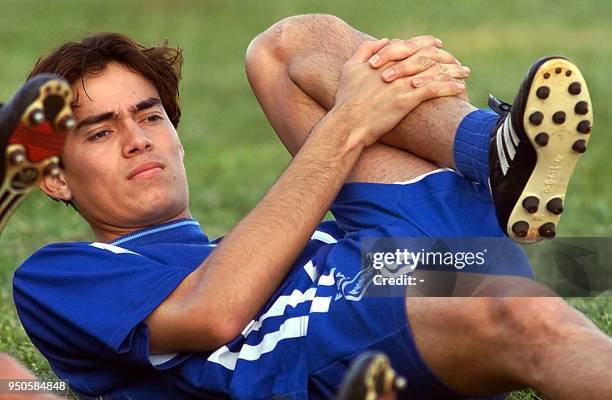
(388,74)
(374,59)
(467,69)
(439,42)
(417,82)
(460,85)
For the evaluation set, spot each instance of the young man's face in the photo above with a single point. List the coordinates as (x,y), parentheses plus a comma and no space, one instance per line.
(124,161)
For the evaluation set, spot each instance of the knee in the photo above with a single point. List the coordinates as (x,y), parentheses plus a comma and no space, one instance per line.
(287,36)
(531,329)
(537,319)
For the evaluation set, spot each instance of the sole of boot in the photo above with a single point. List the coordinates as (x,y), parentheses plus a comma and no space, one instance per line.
(558,120)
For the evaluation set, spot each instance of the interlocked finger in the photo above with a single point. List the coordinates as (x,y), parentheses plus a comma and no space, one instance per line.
(437,61)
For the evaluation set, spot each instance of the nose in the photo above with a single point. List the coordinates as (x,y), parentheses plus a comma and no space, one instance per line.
(136,140)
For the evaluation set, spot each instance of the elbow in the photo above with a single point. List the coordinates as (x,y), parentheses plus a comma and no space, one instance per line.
(221,332)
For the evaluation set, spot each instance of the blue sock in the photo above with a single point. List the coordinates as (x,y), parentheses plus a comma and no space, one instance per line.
(471,148)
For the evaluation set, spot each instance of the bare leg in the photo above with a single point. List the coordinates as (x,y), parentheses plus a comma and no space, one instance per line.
(475,345)
(312,50)
(501,344)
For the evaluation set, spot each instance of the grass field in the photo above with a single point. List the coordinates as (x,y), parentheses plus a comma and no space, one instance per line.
(232,155)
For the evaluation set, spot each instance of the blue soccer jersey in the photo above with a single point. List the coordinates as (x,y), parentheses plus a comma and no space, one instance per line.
(83,304)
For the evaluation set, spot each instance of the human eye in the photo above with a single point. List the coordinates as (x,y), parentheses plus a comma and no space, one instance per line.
(98,136)
(153,118)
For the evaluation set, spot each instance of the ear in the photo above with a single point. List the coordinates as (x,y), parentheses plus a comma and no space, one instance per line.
(56,187)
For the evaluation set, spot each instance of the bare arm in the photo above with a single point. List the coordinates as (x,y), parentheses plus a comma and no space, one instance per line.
(215,302)
(313,49)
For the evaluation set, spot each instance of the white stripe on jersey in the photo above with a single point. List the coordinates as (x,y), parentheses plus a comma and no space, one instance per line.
(291,328)
(323,237)
(112,248)
(278,307)
(311,270)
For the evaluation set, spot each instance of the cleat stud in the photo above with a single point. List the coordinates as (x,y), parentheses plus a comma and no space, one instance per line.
(575,88)
(520,229)
(52,170)
(400,383)
(582,107)
(66,123)
(543,92)
(546,75)
(584,127)
(559,117)
(548,230)
(558,70)
(536,118)
(17,157)
(24,178)
(568,73)
(555,206)
(531,204)
(579,146)
(542,138)
(37,116)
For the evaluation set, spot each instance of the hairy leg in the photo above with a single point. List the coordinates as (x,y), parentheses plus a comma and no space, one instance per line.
(311,50)
(293,114)
(505,342)
(502,344)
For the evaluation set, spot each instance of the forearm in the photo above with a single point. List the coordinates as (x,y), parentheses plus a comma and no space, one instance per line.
(251,261)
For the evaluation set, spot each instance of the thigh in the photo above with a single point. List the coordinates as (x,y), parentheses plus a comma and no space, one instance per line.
(293,114)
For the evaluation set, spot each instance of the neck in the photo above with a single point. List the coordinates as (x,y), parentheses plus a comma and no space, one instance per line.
(107,233)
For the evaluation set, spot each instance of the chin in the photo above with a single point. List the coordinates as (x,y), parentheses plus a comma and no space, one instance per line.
(160,211)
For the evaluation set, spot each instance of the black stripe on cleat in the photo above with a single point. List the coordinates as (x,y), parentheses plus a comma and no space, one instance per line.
(531,204)
(548,230)
(555,206)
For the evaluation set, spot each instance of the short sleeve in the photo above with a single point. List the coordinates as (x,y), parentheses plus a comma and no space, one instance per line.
(76,299)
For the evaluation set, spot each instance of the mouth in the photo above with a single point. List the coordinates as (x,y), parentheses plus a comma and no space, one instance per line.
(146,170)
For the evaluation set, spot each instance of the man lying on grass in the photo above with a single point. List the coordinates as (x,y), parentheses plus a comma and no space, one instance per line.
(382,134)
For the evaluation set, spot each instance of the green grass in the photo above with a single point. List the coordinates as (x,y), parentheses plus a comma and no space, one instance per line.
(232,154)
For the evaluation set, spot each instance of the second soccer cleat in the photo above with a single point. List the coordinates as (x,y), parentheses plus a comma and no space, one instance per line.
(33,127)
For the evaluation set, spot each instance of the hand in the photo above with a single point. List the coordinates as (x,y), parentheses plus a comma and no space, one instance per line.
(374,107)
(420,58)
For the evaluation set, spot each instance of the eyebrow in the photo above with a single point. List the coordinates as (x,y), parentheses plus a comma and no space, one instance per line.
(105,116)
